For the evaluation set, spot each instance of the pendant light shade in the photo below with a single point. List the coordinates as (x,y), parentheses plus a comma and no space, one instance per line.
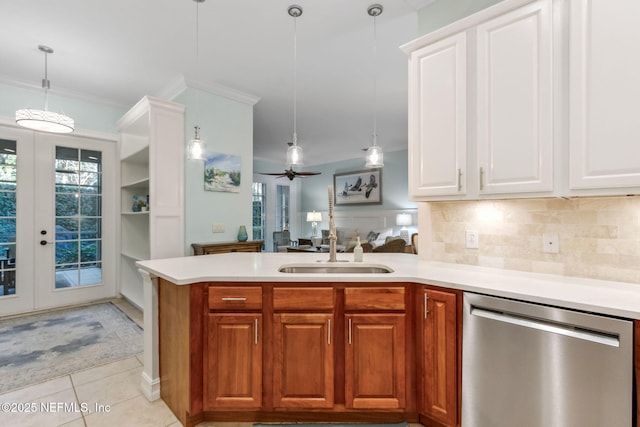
(196,148)
(375,156)
(44,120)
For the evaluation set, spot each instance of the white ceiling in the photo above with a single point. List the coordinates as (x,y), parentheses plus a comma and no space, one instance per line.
(117,51)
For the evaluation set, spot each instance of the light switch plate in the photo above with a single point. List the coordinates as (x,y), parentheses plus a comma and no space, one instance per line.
(218,228)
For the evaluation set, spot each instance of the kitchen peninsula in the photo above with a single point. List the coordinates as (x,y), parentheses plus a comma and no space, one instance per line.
(229,337)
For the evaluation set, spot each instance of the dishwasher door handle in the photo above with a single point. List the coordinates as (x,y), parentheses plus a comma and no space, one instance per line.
(585,334)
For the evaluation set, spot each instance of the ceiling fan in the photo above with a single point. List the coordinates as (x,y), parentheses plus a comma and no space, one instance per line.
(290,173)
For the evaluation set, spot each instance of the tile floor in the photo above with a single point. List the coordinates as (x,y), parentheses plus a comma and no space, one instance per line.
(107,395)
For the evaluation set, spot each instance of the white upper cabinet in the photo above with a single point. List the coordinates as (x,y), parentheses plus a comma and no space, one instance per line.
(604,93)
(438,118)
(514,111)
(481,105)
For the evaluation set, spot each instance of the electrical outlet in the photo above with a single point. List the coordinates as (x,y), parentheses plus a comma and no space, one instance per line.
(550,243)
(218,228)
(471,239)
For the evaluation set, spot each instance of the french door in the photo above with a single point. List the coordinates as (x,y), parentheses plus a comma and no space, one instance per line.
(57,220)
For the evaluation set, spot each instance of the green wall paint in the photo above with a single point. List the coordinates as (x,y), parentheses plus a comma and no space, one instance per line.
(226,126)
(444,12)
(87,115)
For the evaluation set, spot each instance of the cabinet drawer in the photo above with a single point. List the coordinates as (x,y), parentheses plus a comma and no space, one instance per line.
(295,299)
(235,298)
(374,298)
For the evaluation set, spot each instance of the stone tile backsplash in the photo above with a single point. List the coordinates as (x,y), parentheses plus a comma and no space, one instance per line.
(598,237)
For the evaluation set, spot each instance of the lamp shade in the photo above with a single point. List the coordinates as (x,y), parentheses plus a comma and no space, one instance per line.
(43,120)
(314,216)
(403,219)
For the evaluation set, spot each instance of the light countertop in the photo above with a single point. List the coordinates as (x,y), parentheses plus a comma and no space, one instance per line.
(599,296)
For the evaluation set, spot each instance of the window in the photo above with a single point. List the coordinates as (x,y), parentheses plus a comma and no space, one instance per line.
(282,207)
(258,201)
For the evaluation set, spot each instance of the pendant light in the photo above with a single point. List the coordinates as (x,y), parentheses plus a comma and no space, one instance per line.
(374,156)
(294,152)
(196,148)
(44,120)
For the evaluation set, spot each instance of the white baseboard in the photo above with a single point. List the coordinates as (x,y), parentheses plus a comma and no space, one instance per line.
(150,387)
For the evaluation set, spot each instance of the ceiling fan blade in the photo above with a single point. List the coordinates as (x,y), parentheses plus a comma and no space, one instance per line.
(307,173)
(273,174)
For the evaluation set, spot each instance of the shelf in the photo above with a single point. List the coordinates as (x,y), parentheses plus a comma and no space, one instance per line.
(134,213)
(141,183)
(140,156)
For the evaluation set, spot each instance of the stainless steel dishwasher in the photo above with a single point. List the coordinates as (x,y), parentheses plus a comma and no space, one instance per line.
(530,365)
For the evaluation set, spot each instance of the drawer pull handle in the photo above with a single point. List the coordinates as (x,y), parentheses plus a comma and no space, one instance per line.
(234,299)
(329,332)
(349,330)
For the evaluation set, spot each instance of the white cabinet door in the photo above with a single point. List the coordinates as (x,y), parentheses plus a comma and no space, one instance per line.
(515,101)
(437,118)
(604,77)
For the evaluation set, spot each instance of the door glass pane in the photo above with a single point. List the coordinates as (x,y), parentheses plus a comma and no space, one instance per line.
(259,209)
(8,184)
(78,217)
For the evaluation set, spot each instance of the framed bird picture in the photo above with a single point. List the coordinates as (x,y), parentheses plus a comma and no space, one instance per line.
(358,188)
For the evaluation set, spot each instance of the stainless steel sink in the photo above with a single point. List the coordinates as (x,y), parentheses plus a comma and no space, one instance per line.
(330,268)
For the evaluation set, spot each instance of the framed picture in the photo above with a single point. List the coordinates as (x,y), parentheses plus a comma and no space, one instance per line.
(222,172)
(358,188)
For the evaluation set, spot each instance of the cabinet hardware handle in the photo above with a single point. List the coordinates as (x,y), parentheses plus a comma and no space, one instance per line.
(426,310)
(234,299)
(329,332)
(459,179)
(481,178)
(349,330)
(256,331)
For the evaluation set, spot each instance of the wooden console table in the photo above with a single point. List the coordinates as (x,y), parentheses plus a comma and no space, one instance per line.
(225,247)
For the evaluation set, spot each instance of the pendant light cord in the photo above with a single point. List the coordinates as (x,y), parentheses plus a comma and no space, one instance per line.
(45,82)
(375,83)
(295,80)
(198,66)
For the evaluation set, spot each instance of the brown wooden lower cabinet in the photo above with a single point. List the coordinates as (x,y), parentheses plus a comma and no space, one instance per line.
(269,352)
(233,366)
(375,371)
(441,357)
(303,372)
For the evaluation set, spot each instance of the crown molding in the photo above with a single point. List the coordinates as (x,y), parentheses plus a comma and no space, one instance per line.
(180,83)
(62,93)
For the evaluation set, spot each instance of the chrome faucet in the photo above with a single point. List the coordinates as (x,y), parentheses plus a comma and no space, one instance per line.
(332,229)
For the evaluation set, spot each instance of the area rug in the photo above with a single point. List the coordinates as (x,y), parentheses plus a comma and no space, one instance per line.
(48,345)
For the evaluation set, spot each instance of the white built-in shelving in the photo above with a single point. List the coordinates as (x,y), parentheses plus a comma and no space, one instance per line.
(151,166)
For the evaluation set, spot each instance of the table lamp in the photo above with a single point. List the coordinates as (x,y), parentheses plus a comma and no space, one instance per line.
(314,218)
(404,219)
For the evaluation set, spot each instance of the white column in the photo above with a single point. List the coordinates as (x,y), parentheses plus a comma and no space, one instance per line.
(150,382)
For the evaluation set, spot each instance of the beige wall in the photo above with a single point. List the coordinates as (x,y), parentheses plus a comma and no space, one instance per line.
(599,237)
